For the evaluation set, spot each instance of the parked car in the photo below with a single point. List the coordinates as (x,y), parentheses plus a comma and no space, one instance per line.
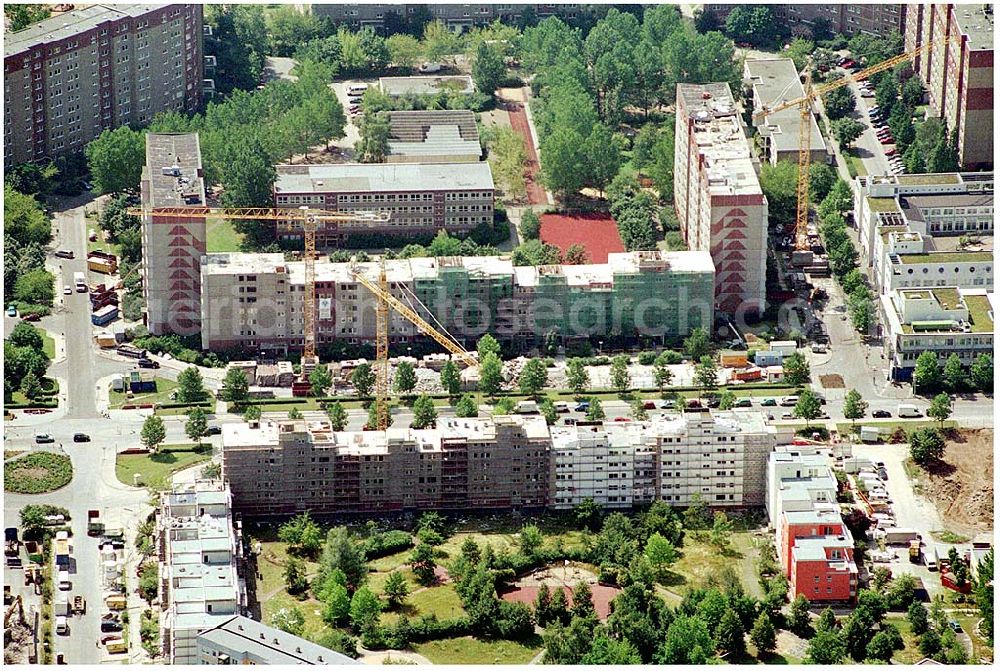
(789,401)
(429,68)
(890,152)
(769,402)
(213,431)
(64,253)
(787,415)
(713,402)
(887,140)
(582,407)
(622,419)
(148,363)
(694,403)
(81,438)
(11,311)
(668,404)
(110,625)
(41,438)
(955,626)
(744,402)
(881,414)
(649,405)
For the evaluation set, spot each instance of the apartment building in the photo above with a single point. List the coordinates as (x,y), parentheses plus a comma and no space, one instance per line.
(814,546)
(240,640)
(499,463)
(849,19)
(902,263)
(958,74)
(172,248)
(200,555)
(456,16)
(772,82)
(943,320)
(420,199)
(255,302)
(76,74)
(717,196)
(937,206)
(433,136)
(282,468)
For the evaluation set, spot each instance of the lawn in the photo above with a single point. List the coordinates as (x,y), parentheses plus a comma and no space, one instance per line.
(37,473)
(854,164)
(161,395)
(911,653)
(887,426)
(48,344)
(699,560)
(468,650)
(221,236)
(441,602)
(156,469)
(980,648)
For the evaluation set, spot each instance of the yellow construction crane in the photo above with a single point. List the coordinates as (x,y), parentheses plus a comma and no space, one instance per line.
(385,301)
(309,219)
(804,103)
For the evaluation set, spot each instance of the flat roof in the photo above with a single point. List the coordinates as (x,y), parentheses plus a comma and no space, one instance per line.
(173,170)
(383,177)
(946,257)
(433,132)
(976,24)
(774,81)
(928,179)
(246,636)
(980,312)
(68,24)
(427,85)
(882,204)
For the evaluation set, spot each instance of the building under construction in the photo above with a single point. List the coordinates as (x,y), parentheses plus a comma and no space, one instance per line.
(254,301)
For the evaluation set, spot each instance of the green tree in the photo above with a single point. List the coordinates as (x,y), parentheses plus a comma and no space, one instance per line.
(365,608)
(115,159)
(320,380)
(373,136)
(25,335)
(363,379)
(576,376)
(954,373)
(846,131)
(337,415)
(661,373)
(531,226)
(302,534)
(727,400)
(880,647)
(839,103)
(504,406)
(706,374)
(466,406)
(153,432)
(722,531)
(533,378)
(35,287)
(405,379)
(295,413)
(729,635)
(290,620)
(697,344)
(940,408)
(926,446)
(763,636)
(639,413)
(252,413)
(488,69)
(778,182)
(423,564)
(687,641)
(595,412)
(490,374)
(661,553)
(190,386)
(450,379)
(826,647)
(588,514)
(396,590)
(605,650)
(196,425)
(424,413)
(620,378)
(295,576)
(548,410)
(487,344)
(916,615)
(797,619)
(342,553)
(796,369)
(808,406)
(926,372)
(855,406)
(235,386)
(583,601)
(914,158)
(530,540)
(336,603)
(404,50)
(981,373)
(31,386)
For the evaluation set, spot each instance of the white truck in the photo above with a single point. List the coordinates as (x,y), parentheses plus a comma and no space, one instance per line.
(900,536)
(908,410)
(81,282)
(527,408)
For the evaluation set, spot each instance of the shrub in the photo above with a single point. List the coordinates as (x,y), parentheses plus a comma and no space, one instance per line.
(37,473)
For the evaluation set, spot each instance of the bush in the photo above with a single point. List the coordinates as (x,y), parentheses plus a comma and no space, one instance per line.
(37,473)
(646,358)
(386,543)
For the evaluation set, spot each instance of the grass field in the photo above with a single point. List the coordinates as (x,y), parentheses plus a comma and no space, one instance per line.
(155,469)
(441,601)
(161,395)
(221,236)
(854,164)
(699,560)
(911,653)
(468,650)
(48,344)
(887,426)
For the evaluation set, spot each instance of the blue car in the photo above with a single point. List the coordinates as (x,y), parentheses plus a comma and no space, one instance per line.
(11,311)
(583,407)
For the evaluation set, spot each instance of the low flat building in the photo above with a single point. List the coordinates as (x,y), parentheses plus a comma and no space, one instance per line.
(943,320)
(426,85)
(254,301)
(815,548)
(774,81)
(200,555)
(905,263)
(433,136)
(937,205)
(420,198)
(240,640)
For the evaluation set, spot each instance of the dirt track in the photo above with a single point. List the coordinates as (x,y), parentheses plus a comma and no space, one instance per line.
(961,487)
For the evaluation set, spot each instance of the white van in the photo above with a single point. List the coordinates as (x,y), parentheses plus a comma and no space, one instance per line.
(64,583)
(62,624)
(789,401)
(357,89)
(908,410)
(527,408)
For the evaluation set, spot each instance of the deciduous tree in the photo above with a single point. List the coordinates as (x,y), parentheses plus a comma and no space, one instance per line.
(153,432)
(424,413)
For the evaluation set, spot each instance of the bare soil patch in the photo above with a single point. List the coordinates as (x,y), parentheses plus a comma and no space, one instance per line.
(961,485)
(563,577)
(832,381)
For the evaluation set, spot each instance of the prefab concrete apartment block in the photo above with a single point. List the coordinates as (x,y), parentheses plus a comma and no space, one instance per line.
(78,73)
(172,248)
(717,195)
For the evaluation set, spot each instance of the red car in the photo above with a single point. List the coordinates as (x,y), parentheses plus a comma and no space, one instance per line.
(848,64)
(649,405)
(622,419)
(890,152)
(887,140)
